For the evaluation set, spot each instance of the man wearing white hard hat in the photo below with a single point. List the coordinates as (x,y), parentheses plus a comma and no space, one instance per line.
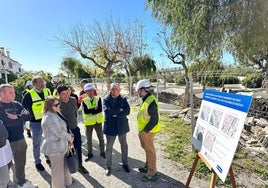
(29,86)
(93,118)
(56,82)
(148,125)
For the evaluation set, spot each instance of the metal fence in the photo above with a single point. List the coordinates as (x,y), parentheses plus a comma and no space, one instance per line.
(258,109)
(161,83)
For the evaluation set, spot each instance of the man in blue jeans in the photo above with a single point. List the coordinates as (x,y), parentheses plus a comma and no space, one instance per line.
(33,101)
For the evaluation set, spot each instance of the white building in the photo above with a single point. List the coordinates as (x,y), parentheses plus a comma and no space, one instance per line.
(8,65)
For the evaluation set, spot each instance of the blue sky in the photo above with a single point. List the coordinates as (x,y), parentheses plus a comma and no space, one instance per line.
(28,27)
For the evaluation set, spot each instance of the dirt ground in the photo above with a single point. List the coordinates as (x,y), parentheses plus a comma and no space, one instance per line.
(170,174)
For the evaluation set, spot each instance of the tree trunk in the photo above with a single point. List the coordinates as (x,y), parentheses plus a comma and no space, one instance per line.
(187,87)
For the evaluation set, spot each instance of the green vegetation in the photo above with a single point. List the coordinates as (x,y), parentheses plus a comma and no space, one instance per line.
(178,148)
(253,80)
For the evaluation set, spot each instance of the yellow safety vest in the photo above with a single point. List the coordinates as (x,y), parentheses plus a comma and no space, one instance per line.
(143,116)
(92,119)
(55,93)
(47,91)
(38,104)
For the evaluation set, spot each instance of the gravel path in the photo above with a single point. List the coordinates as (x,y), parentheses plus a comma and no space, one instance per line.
(170,174)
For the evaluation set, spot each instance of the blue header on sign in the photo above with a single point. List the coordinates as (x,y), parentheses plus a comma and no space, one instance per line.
(231,100)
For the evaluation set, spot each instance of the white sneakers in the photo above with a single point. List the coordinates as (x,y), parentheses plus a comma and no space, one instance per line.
(28,184)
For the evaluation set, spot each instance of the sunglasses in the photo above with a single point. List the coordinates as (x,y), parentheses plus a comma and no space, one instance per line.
(56,105)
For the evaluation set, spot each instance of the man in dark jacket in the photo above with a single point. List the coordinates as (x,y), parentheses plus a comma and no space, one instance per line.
(116,109)
(69,110)
(13,115)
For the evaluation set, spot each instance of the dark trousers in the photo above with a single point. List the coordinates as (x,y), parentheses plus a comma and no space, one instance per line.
(77,143)
(19,149)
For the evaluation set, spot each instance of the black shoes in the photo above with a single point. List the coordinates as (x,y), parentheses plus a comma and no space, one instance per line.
(102,154)
(48,162)
(143,169)
(108,171)
(82,170)
(29,133)
(39,167)
(89,156)
(126,167)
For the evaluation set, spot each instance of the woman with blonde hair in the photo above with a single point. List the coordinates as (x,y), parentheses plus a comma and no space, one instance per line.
(56,142)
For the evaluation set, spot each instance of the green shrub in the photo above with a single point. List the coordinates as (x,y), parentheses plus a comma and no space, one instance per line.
(253,80)
(180,80)
(231,80)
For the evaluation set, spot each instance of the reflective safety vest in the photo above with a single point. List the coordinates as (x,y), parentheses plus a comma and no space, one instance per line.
(47,91)
(144,117)
(55,93)
(92,119)
(38,104)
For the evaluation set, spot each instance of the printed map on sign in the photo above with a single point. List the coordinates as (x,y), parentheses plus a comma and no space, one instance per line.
(218,128)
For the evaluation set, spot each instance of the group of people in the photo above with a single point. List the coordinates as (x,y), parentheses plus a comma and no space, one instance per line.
(55,117)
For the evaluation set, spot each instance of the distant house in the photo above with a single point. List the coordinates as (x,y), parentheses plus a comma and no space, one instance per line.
(8,65)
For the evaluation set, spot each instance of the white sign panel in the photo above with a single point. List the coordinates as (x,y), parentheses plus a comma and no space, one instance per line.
(219,125)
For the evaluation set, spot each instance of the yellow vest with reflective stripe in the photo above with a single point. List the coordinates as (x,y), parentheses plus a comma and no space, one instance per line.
(144,117)
(38,104)
(92,119)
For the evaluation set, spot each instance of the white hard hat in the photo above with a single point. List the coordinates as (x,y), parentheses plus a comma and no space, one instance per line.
(89,86)
(55,80)
(143,84)
(29,83)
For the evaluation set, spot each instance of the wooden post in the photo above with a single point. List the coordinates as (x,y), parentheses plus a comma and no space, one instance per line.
(232,177)
(192,171)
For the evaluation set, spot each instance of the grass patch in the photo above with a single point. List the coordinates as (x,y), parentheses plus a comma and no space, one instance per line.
(178,147)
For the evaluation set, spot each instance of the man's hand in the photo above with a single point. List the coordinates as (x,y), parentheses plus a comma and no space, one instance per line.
(24,111)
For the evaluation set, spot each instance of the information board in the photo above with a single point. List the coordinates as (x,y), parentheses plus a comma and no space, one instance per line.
(218,128)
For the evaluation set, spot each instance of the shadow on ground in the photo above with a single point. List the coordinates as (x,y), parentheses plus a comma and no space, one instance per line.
(132,179)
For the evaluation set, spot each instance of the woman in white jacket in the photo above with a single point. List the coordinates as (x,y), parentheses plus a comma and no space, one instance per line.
(56,142)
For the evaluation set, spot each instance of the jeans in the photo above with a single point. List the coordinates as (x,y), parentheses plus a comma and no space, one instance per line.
(19,149)
(98,129)
(37,139)
(147,143)
(77,143)
(109,149)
